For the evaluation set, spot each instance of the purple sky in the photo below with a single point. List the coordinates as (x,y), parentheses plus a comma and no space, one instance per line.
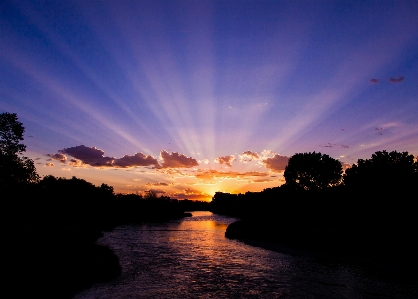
(191,97)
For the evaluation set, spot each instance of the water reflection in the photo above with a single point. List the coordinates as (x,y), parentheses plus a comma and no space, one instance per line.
(191,258)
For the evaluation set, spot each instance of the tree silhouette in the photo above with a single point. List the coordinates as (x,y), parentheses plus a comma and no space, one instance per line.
(312,171)
(16,170)
(384,170)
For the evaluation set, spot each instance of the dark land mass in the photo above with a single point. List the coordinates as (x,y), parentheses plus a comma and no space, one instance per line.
(49,234)
(376,227)
(367,212)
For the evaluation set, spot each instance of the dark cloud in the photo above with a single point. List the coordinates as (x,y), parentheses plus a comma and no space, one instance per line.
(94,157)
(278,163)
(88,155)
(156,191)
(176,160)
(227,160)
(396,80)
(139,159)
(328,145)
(59,157)
(374,81)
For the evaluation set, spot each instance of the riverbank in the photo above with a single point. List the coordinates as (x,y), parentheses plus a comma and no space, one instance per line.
(53,263)
(56,261)
(393,248)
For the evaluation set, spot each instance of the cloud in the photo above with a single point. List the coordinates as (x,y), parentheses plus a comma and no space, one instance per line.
(88,155)
(205,161)
(59,157)
(261,180)
(176,160)
(248,156)
(396,80)
(278,163)
(94,157)
(139,159)
(157,191)
(227,160)
(50,164)
(77,163)
(157,184)
(374,81)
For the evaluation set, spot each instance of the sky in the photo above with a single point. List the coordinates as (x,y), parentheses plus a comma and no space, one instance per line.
(187,98)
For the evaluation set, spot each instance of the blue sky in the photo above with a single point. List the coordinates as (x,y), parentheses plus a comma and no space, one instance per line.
(191,97)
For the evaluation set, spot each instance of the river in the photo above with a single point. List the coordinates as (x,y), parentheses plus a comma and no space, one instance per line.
(191,258)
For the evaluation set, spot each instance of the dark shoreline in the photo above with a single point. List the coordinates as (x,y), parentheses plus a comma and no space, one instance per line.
(367,248)
(56,262)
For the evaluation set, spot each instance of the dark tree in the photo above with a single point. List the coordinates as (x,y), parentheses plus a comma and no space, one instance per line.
(312,171)
(384,170)
(16,170)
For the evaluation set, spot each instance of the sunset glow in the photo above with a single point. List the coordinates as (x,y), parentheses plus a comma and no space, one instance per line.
(187,98)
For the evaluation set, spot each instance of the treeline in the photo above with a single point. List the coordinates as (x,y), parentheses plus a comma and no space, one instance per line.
(49,227)
(77,203)
(369,210)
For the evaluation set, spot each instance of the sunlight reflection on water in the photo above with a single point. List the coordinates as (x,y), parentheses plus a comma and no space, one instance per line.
(191,258)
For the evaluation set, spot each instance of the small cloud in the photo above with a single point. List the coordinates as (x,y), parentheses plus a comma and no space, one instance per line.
(328,145)
(248,156)
(177,160)
(50,164)
(227,160)
(374,81)
(156,191)
(59,157)
(277,164)
(396,80)
(77,163)
(157,184)
(260,181)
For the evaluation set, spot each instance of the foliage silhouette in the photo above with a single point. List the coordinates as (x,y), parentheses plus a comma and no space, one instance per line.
(312,171)
(17,172)
(384,170)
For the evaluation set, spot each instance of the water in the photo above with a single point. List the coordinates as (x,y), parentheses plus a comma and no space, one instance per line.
(191,258)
